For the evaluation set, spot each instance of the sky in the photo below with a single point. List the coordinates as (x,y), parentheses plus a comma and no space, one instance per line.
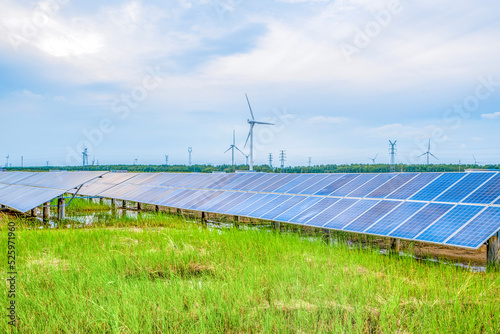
(144,79)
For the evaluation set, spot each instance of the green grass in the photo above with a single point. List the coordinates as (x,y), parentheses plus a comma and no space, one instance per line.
(160,274)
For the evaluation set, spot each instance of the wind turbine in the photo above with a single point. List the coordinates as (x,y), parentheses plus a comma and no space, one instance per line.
(7,163)
(476,162)
(233,147)
(252,123)
(373,159)
(428,152)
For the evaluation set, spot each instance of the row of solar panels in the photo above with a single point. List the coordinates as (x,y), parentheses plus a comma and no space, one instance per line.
(24,191)
(456,209)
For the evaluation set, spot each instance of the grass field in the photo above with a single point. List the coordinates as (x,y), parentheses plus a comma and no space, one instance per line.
(160,274)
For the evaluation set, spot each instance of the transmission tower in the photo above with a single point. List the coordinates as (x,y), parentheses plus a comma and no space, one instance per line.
(310,161)
(392,153)
(166,160)
(270,160)
(85,157)
(190,150)
(282,158)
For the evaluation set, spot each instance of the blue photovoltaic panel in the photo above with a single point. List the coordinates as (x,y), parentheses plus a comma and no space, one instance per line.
(172,201)
(167,180)
(257,183)
(212,179)
(261,202)
(391,185)
(270,205)
(321,184)
(340,183)
(198,204)
(287,179)
(464,187)
(153,196)
(341,221)
(334,210)
(372,215)
(224,183)
(395,218)
(413,186)
(487,193)
(227,205)
(279,209)
(316,178)
(194,182)
(247,181)
(256,197)
(199,197)
(478,230)
(346,188)
(296,209)
(372,184)
(179,180)
(217,202)
(269,182)
(302,178)
(437,186)
(419,222)
(449,223)
(307,214)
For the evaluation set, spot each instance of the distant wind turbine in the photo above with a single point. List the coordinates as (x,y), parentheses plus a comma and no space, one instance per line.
(373,159)
(250,133)
(233,147)
(428,153)
(476,162)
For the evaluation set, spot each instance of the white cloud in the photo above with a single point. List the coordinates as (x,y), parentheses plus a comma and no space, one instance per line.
(29,95)
(491,115)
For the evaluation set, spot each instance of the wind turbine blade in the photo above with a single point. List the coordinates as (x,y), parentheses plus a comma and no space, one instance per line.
(264,123)
(234,138)
(429,146)
(375,157)
(240,151)
(421,155)
(433,155)
(249,133)
(249,106)
(228,149)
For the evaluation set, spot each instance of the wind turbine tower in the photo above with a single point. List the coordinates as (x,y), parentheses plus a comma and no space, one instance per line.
(392,153)
(7,163)
(252,123)
(85,157)
(190,150)
(232,148)
(428,153)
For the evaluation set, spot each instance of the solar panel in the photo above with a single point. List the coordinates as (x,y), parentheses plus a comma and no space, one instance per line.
(315,209)
(249,201)
(288,214)
(391,185)
(413,186)
(368,187)
(372,216)
(235,200)
(267,181)
(421,220)
(283,207)
(199,204)
(313,188)
(315,179)
(449,223)
(351,213)
(292,184)
(395,218)
(285,180)
(332,211)
(438,186)
(346,184)
(464,187)
(480,229)
(257,204)
(487,193)
(279,200)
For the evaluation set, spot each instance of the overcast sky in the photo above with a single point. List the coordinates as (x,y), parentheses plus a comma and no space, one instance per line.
(142,79)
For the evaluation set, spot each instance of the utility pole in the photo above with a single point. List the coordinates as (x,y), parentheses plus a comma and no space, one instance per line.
(282,158)
(190,150)
(310,161)
(271,160)
(47,163)
(392,153)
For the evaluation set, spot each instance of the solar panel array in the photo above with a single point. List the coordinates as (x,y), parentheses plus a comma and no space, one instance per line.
(455,209)
(24,191)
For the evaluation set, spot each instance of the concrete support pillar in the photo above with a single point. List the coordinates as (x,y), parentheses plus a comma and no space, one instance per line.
(157,208)
(236,221)
(34,212)
(326,235)
(276,226)
(46,211)
(139,206)
(204,218)
(124,205)
(395,245)
(61,209)
(101,200)
(113,204)
(492,251)
(179,212)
